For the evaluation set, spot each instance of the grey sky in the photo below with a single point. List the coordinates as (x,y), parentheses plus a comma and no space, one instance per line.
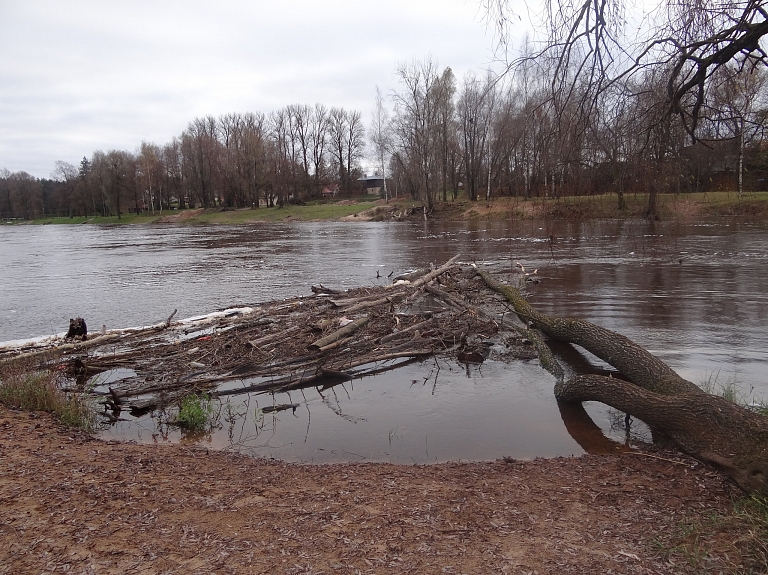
(78,76)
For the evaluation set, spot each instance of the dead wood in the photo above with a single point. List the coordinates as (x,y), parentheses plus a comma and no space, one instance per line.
(324,290)
(170,317)
(432,275)
(394,298)
(65,348)
(280,407)
(264,347)
(406,331)
(703,425)
(355,300)
(77,329)
(335,344)
(274,337)
(411,276)
(339,333)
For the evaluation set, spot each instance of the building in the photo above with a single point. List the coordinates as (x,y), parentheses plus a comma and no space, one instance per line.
(373,184)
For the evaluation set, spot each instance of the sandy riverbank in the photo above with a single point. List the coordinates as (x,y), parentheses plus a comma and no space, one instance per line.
(72,503)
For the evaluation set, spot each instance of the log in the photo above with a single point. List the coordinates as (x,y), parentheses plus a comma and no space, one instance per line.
(321,289)
(339,333)
(411,276)
(704,426)
(407,330)
(432,275)
(170,317)
(373,303)
(67,347)
(354,300)
(275,338)
(77,329)
(279,407)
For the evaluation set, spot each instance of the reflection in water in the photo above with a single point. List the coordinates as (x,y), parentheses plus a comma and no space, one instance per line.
(586,432)
(420,413)
(693,294)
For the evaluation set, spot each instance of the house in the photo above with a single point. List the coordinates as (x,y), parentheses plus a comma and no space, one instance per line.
(330,191)
(373,184)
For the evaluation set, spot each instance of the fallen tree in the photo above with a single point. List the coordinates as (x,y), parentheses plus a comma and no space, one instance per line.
(705,426)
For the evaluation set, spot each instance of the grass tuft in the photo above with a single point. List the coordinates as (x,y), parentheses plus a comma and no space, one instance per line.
(32,388)
(734,543)
(195,412)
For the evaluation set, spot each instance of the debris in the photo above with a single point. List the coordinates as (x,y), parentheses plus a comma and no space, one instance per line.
(275,347)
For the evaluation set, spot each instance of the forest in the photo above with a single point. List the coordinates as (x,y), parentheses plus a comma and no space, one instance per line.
(434,136)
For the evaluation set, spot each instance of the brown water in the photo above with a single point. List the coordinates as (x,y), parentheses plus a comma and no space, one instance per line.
(693,294)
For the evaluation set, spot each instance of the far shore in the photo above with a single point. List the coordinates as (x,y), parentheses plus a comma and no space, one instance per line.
(685,207)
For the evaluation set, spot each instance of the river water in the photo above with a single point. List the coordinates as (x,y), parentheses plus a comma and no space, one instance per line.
(692,293)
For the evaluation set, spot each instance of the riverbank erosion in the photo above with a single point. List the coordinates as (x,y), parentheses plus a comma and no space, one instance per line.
(76,504)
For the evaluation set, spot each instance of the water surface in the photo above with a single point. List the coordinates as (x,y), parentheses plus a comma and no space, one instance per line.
(694,294)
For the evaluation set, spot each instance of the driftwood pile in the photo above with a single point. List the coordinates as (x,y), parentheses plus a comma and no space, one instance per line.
(331,337)
(316,341)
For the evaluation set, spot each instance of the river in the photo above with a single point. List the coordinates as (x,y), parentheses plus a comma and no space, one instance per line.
(692,293)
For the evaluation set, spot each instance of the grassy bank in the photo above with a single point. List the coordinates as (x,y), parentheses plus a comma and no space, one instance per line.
(669,207)
(28,387)
(311,211)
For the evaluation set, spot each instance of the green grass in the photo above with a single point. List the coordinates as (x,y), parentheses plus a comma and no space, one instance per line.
(732,392)
(735,543)
(669,206)
(308,212)
(31,389)
(101,220)
(195,412)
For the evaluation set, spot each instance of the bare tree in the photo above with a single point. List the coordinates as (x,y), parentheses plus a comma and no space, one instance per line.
(738,108)
(173,160)
(475,114)
(66,174)
(114,174)
(299,118)
(318,141)
(283,157)
(417,127)
(597,43)
(355,143)
(445,89)
(201,149)
(346,135)
(20,195)
(150,171)
(380,137)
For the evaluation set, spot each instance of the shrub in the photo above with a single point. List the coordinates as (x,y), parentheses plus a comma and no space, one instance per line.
(195,412)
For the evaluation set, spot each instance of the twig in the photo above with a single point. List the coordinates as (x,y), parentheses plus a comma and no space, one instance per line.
(657,457)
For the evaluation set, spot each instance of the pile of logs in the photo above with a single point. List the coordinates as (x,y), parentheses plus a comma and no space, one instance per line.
(319,340)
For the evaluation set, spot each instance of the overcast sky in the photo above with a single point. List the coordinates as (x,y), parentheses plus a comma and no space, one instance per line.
(80,76)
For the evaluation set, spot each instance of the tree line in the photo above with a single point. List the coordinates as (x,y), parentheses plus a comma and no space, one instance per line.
(513,136)
(485,135)
(236,160)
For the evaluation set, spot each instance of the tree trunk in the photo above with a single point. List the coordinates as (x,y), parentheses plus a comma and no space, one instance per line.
(703,425)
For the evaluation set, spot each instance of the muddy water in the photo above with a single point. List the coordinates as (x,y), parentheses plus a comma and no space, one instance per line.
(694,294)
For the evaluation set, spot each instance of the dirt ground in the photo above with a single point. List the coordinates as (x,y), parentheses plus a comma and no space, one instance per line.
(71,503)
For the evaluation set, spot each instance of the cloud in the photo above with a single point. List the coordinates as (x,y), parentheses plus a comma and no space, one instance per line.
(80,76)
